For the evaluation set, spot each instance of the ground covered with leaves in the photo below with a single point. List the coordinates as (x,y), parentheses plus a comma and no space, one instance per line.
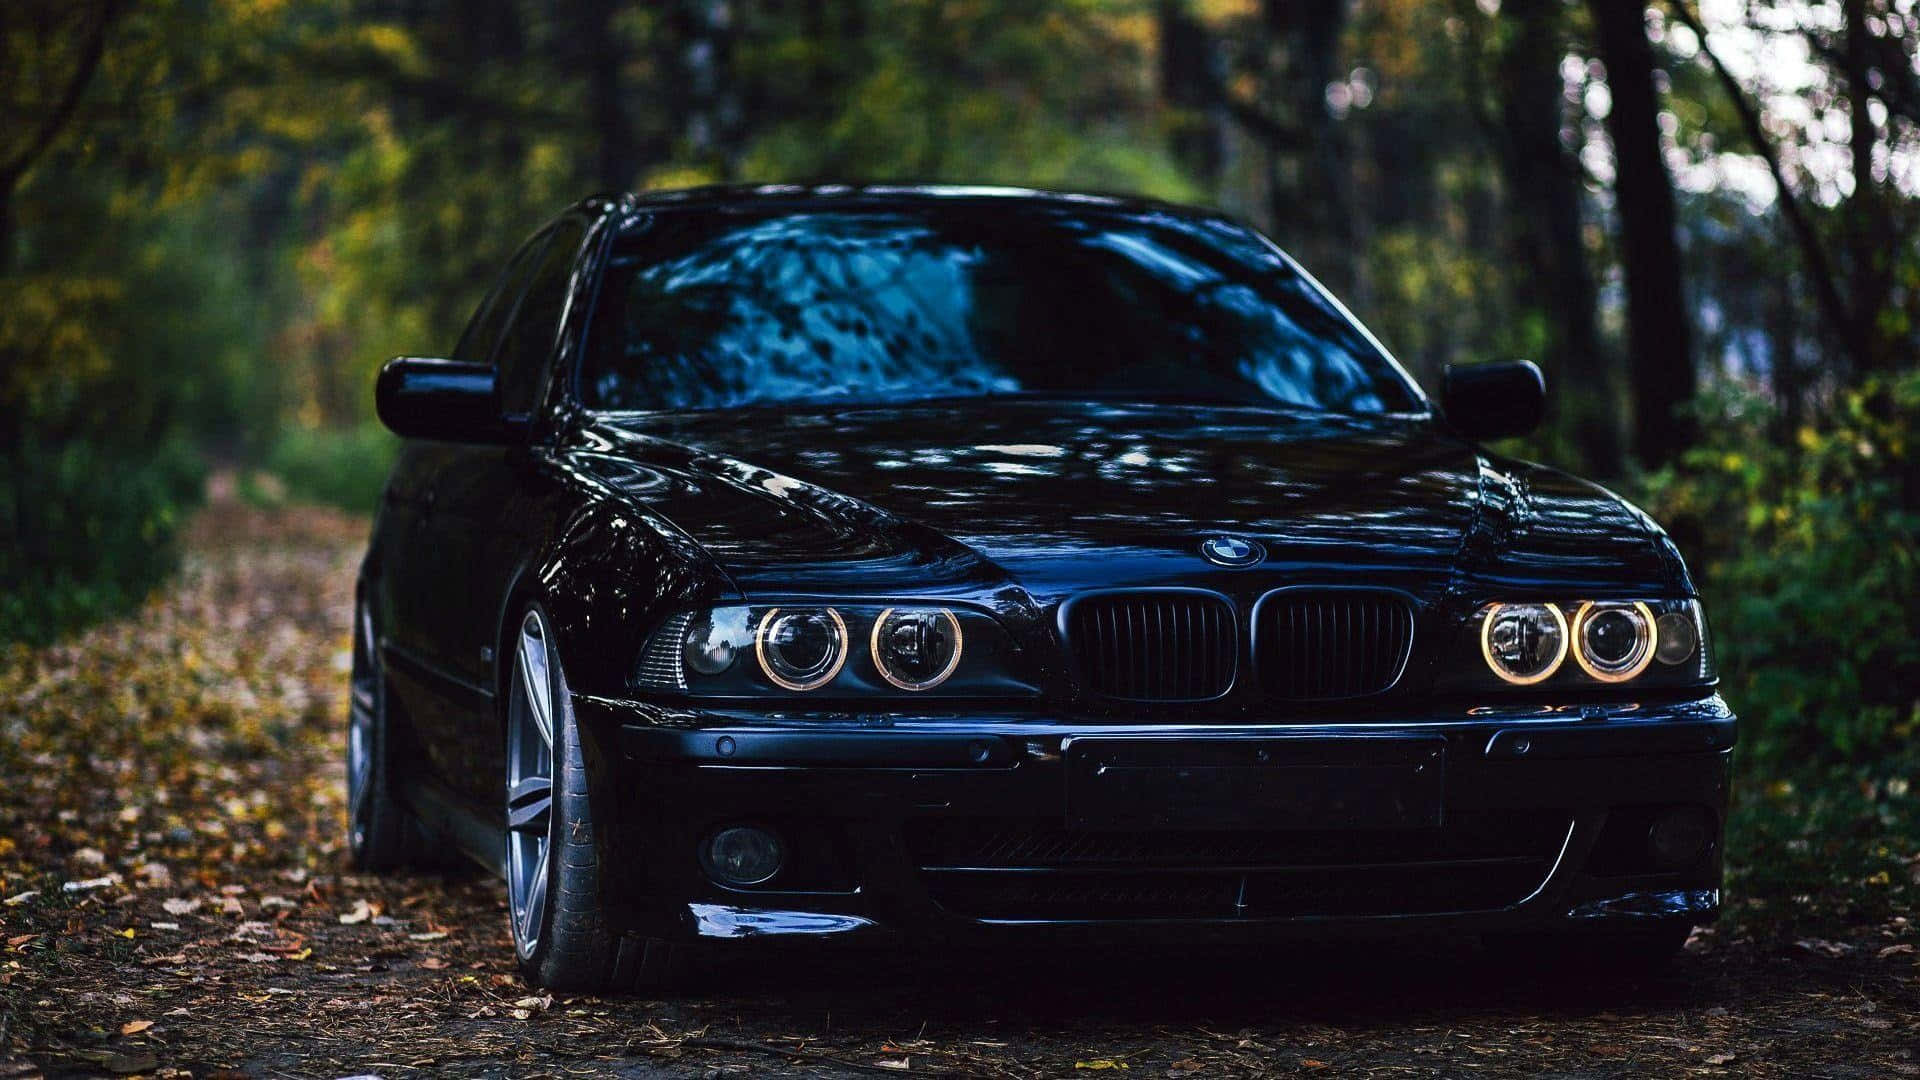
(174,901)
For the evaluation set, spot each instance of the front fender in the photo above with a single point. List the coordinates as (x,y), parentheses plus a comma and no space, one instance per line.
(610,574)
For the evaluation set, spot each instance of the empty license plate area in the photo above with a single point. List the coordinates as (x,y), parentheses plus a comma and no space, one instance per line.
(1254,783)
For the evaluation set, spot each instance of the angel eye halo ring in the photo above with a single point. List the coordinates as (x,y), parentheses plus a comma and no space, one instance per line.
(1524,643)
(916,648)
(802,649)
(1613,642)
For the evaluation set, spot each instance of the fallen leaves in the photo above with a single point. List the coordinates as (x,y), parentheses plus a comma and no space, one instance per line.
(105,881)
(524,1008)
(120,1064)
(1823,947)
(215,795)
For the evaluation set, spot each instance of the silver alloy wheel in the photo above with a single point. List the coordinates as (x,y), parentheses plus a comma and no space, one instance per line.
(530,720)
(364,690)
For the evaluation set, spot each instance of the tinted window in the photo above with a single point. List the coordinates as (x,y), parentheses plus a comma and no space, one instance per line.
(529,339)
(483,330)
(710,311)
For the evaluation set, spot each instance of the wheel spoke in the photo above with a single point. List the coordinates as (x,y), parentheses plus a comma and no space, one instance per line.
(535,683)
(529,804)
(362,721)
(536,898)
(357,759)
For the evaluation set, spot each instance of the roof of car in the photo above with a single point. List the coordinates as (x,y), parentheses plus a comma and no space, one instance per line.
(742,196)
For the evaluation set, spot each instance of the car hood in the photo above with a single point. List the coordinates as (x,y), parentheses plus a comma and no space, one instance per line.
(1062,496)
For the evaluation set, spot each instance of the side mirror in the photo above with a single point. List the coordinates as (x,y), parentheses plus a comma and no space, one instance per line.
(418,397)
(1493,401)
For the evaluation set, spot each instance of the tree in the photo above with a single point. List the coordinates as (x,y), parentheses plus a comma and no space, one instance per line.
(1191,83)
(52,49)
(1543,181)
(1854,281)
(1659,331)
(1310,190)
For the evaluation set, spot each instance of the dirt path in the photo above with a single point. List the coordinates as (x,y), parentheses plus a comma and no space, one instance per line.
(174,904)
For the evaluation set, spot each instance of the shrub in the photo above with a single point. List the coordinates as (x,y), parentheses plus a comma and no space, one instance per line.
(340,467)
(88,531)
(1805,552)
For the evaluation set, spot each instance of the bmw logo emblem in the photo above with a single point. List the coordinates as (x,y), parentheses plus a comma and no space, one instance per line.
(1232,551)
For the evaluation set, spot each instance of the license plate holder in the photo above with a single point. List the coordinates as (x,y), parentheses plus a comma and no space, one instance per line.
(1143,784)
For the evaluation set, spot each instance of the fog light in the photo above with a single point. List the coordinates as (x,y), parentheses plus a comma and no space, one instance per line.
(1679,837)
(743,855)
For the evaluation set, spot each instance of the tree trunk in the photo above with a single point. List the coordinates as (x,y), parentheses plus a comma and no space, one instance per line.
(1543,185)
(617,167)
(1789,384)
(6,231)
(1869,228)
(1190,82)
(701,97)
(1317,203)
(1659,332)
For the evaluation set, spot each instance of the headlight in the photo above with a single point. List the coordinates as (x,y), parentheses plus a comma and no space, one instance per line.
(829,650)
(1613,642)
(916,648)
(714,639)
(1643,642)
(1523,643)
(1675,638)
(802,648)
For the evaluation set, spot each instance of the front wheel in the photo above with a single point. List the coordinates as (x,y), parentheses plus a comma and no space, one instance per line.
(560,932)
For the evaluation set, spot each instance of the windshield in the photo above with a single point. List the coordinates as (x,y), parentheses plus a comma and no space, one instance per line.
(707,311)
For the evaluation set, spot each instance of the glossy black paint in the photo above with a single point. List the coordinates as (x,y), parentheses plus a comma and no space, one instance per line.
(429,398)
(1493,401)
(614,521)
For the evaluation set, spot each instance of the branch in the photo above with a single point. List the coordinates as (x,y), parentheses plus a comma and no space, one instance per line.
(1265,128)
(56,121)
(1900,88)
(1826,286)
(454,94)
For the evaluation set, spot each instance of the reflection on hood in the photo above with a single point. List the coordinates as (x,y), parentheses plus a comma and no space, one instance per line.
(1057,494)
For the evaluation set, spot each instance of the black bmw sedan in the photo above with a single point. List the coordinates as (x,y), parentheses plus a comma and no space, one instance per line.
(859,564)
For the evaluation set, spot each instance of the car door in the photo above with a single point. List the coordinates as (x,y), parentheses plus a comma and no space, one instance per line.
(440,689)
(480,527)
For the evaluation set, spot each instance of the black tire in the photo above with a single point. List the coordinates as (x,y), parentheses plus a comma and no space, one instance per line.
(561,936)
(1641,950)
(381,834)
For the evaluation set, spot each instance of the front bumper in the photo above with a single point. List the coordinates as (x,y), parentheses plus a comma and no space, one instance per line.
(958,827)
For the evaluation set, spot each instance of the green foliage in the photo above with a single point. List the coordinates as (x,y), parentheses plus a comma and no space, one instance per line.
(1807,553)
(1822,847)
(991,92)
(124,352)
(89,531)
(343,467)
